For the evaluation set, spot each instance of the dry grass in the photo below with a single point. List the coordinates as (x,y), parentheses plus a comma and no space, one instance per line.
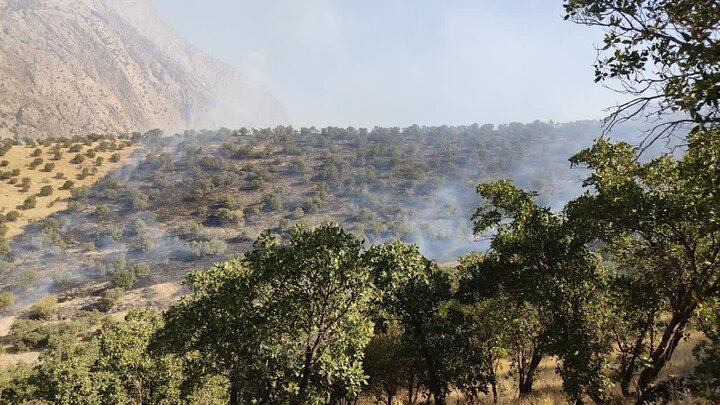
(11,197)
(548,385)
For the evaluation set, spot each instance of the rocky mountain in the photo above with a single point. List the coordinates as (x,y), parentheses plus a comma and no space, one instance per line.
(79,66)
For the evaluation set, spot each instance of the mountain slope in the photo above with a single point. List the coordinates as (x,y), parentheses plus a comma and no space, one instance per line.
(79,66)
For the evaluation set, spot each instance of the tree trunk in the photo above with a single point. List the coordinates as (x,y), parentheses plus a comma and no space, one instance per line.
(434,384)
(631,367)
(665,349)
(234,393)
(526,384)
(304,379)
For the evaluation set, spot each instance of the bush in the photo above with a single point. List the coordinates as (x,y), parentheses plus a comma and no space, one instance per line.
(115,157)
(102,210)
(109,299)
(99,161)
(124,279)
(143,243)
(189,230)
(7,300)
(25,184)
(228,216)
(141,270)
(45,191)
(272,202)
(35,163)
(43,309)
(68,185)
(36,153)
(4,163)
(75,148)
(12,216)
(49,167)
(140,201)
(208,248)
(29,203)
(78,159)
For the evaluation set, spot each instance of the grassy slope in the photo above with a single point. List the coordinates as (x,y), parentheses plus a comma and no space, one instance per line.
(20,158)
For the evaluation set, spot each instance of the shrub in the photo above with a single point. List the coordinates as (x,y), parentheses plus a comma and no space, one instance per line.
(68,185)
(79,192)
(78,159)
(43,309)
(90,153)
(25,184)
(99,161)
(115,157)
(143,243)
(4,163)
(141,270)
(208,248)
(189,230)
(272,202)
(140,201)
(45,191)
(35,163)
(29,203)
(124,279)
(84,173)
(49,167)
(12,216)
(109,299)
(7,300)
(228,216)
(102,210)
(37,153)
(75,148)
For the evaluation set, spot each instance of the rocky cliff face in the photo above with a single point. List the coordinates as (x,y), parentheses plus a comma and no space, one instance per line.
(78,66)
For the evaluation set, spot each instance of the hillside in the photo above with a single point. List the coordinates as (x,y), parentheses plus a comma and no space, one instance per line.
(112,66)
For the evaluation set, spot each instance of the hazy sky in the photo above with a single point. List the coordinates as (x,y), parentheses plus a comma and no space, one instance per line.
(398,62)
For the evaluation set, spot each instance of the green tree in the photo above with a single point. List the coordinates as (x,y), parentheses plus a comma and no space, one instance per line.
(286,324)
(546,271)
(660,220)
(663,53)
(414,291)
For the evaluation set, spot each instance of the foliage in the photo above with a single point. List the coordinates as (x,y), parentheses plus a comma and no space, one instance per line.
(42,309)
(662,52)
(286,324)
(660,221)
(548,274)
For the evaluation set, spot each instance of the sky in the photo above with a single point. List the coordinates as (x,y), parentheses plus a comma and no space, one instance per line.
(401,62)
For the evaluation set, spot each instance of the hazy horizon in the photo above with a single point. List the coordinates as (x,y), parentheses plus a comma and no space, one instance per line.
(402,63)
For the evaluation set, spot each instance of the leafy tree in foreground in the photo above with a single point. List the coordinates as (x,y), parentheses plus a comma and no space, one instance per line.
(551,282)
(660,219)
(707,373)
(663,53)
(414,294)
(288,324)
